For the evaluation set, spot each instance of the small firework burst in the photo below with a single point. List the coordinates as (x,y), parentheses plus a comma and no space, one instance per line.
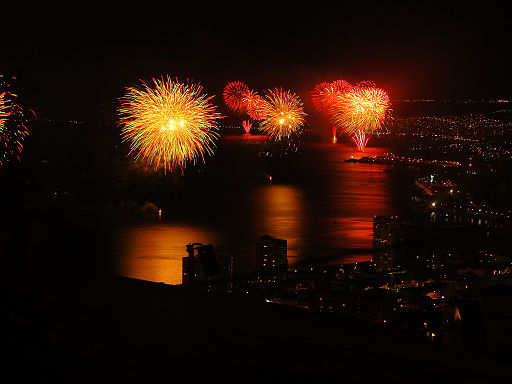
(318,95)
(13,130)
(324,97)
(168,125)
(234,95)
(284,114)
(363,107)
(254,104)
(325,94)
(246,125)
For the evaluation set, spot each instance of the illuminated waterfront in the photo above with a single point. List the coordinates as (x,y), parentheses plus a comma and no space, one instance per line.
(325,214)
(152,232)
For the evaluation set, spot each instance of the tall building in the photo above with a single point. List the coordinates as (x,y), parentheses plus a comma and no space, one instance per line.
(200,264)
(387,234)
(227,270)
(205,268)
(271,254)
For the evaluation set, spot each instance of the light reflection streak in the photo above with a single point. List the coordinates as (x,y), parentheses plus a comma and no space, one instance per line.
(280,213)
(154,252)
(327,214)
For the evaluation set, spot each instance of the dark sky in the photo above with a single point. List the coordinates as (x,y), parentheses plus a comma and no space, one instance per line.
(73,63)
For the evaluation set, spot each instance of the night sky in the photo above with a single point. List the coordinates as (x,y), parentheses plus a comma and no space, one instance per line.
(73,63)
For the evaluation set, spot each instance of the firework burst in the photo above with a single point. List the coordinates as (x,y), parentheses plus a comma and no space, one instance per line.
(325,94)
(254,105)
(364,107)
(12,126)
(168,125)
(318,95)
(235,94)
(324,97)
(283,113)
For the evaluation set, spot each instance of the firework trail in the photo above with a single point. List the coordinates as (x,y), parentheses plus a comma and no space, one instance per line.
(361,139)
(168,125)
(334,137)
(247,125)
(364,107)
(283,113)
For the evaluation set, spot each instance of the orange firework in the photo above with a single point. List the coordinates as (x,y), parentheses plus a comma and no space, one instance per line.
(234,95)
(168,125)
(283,113)
(364,107)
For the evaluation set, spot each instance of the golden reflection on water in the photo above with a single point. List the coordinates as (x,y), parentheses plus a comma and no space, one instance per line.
(326,214)
(279,212)
(154,252)
(366,194)
(351,194)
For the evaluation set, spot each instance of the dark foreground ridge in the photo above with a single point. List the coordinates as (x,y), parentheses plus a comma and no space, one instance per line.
(112,329)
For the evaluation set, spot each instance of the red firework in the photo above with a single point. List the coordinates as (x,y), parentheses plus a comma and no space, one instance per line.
(234,95)
(247,125)
(325,96)
(318,95)
(254,105)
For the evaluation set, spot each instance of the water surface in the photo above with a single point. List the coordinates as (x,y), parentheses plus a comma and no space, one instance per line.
(324,211)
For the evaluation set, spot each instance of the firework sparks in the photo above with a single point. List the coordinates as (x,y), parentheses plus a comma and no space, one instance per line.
(361,139)
(318,95)
(12,125)
(247,125)
(325,96)
(4,111)
(169,125)
(283,113)
(254,105)
(363,107)
(235,95)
